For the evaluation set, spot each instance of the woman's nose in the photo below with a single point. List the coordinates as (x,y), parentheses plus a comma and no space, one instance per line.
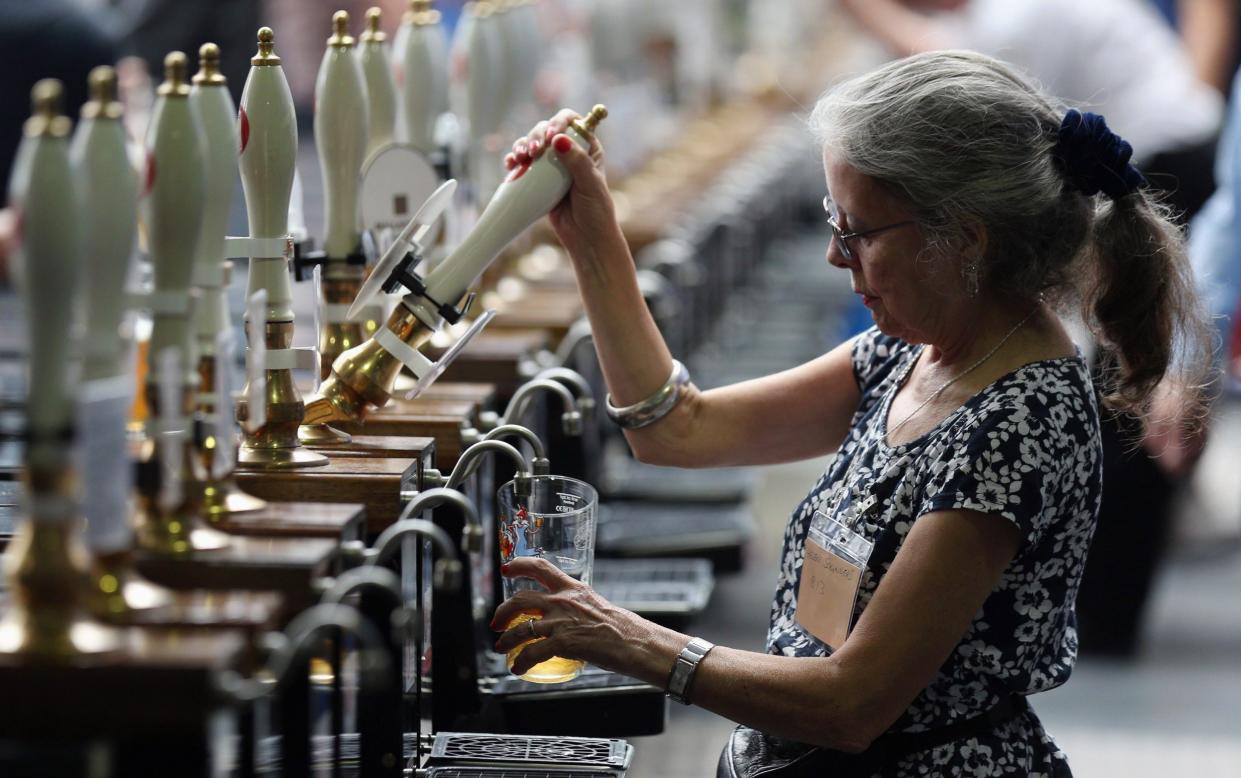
(836,257)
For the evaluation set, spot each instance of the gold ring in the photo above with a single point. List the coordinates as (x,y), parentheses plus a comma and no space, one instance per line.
(533,634)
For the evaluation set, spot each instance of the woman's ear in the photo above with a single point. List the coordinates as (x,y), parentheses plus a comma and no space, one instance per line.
(974,243)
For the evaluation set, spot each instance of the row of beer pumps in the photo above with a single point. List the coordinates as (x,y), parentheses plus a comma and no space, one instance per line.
(192,146)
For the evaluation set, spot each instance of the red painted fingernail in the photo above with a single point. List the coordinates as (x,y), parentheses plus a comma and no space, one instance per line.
(509,160)
(534,147)
(504,567)
(549,133)
(562,144)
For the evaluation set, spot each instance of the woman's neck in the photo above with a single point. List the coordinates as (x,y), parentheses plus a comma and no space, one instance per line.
(976,333)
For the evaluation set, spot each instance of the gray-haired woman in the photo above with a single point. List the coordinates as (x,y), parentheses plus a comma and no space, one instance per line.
(927,580)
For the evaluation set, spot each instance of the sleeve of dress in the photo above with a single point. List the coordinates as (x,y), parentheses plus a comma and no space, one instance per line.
(1009,463)
(874,355)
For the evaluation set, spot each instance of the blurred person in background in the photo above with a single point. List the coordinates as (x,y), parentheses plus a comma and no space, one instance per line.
(1117,57)
(1215,240)
(1211,32)
(970,211)
(1122,59)
(44,39)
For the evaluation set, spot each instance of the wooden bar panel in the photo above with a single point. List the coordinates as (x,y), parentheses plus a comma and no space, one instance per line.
(442,421)
(288,565)
(375,482)
(125,694)
(338,521)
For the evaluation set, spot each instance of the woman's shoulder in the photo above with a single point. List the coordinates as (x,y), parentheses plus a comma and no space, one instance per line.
(876,357)
(1044,398)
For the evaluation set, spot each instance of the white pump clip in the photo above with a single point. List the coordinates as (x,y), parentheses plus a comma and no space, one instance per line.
(388,272)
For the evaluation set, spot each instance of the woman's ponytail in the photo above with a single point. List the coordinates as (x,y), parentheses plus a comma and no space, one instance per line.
(1143,306)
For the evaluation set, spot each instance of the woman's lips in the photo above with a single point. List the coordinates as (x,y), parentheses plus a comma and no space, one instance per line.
(867,299)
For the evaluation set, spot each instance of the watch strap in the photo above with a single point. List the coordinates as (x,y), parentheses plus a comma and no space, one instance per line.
(684,668)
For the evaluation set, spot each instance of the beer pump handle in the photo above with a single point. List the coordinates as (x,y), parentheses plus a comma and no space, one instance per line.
(110,188)
(422,73)
(174,206)
(478,70)
(529,192)
(380,87)
(216,111)
(341,130)
(45,200)
(406,246)
(530,51)
(268,129)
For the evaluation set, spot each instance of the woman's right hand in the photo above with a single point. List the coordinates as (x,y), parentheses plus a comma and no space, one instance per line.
(586,214)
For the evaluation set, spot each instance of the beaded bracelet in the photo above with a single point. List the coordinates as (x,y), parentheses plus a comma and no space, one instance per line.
(655,407)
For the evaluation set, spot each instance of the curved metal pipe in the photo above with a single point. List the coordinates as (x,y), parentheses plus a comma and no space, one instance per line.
(406,618)
(467,463)
(386,545)
(578,332)
(518,405)
(585,394)
(380,579)
(424,500)
(298,641)
(539,465)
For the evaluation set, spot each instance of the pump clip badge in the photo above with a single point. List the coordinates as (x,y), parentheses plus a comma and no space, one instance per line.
(831,572)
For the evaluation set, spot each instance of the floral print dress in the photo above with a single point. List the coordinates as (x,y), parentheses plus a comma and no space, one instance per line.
(1026,449)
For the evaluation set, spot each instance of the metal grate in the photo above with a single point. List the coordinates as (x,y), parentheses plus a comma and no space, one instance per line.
(637,528)
(532,750)
(322,755)
(669,586)
(627,479)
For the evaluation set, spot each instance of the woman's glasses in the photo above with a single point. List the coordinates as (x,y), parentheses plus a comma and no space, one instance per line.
(843,238)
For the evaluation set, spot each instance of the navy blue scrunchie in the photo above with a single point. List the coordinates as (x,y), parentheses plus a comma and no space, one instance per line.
(1095,159)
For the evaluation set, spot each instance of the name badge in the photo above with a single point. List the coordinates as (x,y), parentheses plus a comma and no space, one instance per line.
(831,573)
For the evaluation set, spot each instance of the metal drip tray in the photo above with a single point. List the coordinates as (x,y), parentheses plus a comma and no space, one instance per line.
(624,478)
(508,772)
(655,529)
(596,704)
(322,756)
(669,586)
(498,680)
(530,751)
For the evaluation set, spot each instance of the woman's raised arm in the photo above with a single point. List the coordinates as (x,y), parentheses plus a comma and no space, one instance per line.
(796,414)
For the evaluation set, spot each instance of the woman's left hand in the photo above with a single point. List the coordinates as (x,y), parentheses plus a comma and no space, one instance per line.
(577,623)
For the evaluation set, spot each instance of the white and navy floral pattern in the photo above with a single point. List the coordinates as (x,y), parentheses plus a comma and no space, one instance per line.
(1025,450)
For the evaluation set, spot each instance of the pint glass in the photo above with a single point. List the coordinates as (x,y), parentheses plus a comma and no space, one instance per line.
(557,523)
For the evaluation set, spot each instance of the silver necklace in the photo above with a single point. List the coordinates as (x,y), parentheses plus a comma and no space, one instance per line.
(944,386)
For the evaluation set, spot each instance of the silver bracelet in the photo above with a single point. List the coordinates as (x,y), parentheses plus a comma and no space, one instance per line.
(684,668)
(655,407)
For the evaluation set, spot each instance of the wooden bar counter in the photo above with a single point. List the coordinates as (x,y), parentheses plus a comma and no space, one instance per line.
(481,394)
(549,310)
(376,482)
(497,358)
(339,521)
(291,566)
(121,701)
(440,421)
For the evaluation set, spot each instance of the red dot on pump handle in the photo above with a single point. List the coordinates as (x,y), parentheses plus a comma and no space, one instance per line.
(149,184)
(244,121)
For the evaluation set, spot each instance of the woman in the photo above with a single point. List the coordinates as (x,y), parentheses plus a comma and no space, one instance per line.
(965,208)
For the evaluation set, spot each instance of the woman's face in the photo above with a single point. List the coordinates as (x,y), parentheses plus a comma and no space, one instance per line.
(888,269)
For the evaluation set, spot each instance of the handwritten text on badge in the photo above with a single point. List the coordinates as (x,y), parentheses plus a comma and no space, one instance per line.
(827,594)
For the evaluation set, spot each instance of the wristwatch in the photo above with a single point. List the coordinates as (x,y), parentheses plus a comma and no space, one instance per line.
(684,668)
